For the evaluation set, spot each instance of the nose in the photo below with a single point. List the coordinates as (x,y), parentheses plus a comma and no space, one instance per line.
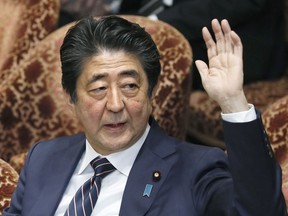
(115,101)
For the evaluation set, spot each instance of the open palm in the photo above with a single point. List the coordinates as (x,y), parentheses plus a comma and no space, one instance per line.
(222,78)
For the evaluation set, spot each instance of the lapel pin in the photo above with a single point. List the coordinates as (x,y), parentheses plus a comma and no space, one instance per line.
(156,176)
(147,190)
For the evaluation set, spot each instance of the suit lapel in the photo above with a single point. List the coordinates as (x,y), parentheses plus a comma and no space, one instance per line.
(150,159)
(58,174)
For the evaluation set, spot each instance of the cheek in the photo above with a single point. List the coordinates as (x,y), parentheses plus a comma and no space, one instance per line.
(139,106)
(90,109)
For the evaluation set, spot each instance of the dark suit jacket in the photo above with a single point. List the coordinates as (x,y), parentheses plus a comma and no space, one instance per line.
(259,23)
(195,180)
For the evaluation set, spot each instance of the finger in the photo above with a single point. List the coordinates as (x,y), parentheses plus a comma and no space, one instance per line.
(227,35)
(202,68)
(237,44)
(210,44)
(220,41)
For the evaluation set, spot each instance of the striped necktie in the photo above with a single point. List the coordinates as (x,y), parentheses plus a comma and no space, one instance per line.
(85,198)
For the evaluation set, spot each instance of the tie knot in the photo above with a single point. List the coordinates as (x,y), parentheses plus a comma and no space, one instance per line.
(102,166)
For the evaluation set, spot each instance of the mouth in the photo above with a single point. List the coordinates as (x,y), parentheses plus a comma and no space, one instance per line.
(115,126)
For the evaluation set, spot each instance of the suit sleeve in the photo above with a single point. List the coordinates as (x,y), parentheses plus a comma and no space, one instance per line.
(249,183)
(190,16)
(255,172)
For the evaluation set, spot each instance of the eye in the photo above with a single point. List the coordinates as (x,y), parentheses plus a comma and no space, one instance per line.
(98,92)
(130,89)
(100,89)
(130,86)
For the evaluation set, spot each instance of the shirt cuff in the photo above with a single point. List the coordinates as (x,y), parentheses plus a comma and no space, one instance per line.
(241,117)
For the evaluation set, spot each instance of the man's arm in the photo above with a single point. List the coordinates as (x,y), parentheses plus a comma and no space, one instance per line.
(255,172)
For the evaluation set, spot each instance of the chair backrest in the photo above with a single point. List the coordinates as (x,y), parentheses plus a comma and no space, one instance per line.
(275,119)
(23,24)
(8,182)
(35,105)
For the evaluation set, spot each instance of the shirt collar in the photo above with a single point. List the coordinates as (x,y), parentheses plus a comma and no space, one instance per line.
(122,161)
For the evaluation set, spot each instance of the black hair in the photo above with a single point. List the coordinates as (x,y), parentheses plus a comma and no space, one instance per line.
(90,37)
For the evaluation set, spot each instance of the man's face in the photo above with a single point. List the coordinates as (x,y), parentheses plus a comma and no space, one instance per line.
(112,101)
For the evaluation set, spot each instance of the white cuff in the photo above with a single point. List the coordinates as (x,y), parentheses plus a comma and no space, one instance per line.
(240,117)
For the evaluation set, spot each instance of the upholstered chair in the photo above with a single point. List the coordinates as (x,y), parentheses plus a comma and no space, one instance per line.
(8,182)
(275,118)
(23,24)
(204,113)
(39,110)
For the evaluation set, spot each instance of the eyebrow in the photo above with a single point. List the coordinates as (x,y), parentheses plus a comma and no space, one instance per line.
(125,73)
(129,73)
(96,77)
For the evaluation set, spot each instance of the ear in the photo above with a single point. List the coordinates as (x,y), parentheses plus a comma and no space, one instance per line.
(152,98)
(154,91)
(69,104)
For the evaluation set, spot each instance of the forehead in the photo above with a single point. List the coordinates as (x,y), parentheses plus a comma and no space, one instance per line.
(112,63)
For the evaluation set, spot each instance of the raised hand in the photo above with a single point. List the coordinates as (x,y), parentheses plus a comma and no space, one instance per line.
(223,77)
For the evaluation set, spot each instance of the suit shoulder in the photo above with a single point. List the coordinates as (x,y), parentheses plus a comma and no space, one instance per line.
(57,144)
(191,150)
(74,137)
(199,152)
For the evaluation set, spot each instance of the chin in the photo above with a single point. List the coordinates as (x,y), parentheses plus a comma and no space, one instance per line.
(118,145)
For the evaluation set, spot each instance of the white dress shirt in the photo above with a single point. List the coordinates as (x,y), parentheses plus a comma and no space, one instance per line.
(245,116)
(113,185)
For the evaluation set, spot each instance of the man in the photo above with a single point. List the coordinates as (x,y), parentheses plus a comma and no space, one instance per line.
(110,69)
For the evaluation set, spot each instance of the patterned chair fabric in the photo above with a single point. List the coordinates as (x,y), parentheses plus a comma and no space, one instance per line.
(8,182)
(275,118)
(23,23)
(204,114)
(17,161)
(35,106)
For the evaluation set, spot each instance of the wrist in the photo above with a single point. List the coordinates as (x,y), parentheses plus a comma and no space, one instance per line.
(234,104)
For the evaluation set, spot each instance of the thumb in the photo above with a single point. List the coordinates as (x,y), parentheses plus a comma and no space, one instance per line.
(202,68)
